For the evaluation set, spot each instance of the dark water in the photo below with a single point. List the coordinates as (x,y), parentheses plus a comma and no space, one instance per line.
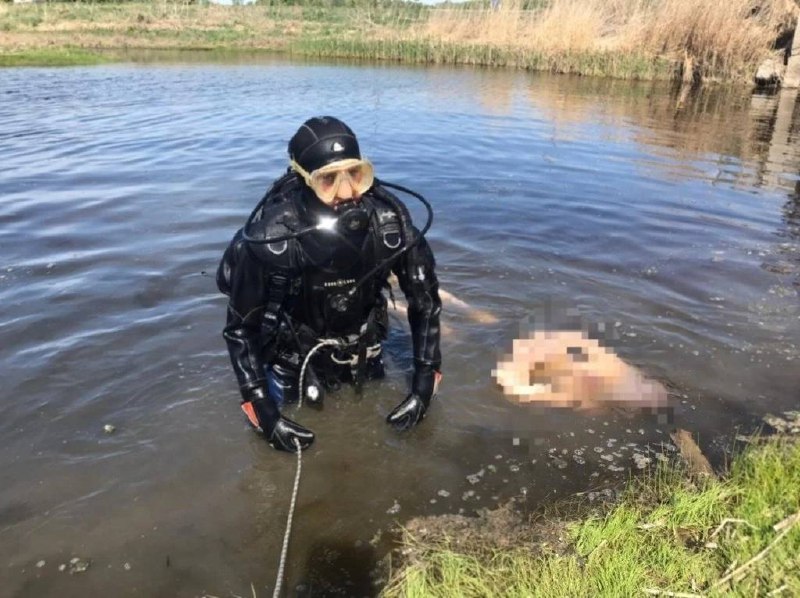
(676,225)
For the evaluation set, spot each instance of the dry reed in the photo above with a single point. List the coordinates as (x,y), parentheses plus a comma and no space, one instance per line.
(705,39)
(632,39)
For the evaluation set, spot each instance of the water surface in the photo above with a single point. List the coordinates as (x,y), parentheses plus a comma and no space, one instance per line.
(675,224)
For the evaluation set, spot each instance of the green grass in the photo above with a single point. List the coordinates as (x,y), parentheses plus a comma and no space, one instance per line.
(609,64)
(389,30)
(363,31)
(660,536)
(48,57)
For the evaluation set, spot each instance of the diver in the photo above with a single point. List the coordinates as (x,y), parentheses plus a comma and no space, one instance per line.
(305,278)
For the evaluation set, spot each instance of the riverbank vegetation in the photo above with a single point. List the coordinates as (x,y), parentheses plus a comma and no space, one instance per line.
(668,535)
(51,57)
(642,39)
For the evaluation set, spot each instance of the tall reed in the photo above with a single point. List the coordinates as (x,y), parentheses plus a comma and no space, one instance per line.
(709,39)
(619,38)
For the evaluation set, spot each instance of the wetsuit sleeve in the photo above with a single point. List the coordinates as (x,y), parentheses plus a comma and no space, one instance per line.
(416,273)
(242,277)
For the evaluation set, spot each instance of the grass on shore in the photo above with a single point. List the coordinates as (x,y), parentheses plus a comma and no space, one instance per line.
(602,64)
(666,534)
(51,57)
(641,39)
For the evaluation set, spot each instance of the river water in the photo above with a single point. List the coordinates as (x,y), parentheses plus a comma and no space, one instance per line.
(674,223)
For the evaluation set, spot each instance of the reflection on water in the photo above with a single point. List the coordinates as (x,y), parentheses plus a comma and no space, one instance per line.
(673,223)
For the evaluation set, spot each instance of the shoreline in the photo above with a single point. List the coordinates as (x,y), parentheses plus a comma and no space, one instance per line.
(676,530)
(54,34)
(611,66)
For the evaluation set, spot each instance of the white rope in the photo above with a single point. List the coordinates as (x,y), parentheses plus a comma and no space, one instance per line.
(332,342)
(285,549)
(372,351)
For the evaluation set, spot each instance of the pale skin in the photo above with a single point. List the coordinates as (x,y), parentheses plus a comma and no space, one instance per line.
(567,369)
(344,192)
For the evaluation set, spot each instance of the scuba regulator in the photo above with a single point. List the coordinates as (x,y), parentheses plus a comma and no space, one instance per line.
(353,217)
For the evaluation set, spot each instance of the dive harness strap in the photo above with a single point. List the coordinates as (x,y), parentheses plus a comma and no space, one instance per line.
(361,365)
(361,346)
(277,291)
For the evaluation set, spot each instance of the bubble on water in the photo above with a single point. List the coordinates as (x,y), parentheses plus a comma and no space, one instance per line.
(77,565)
(474,478)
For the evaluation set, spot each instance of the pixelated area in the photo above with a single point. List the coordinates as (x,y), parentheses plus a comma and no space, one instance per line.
(569,369)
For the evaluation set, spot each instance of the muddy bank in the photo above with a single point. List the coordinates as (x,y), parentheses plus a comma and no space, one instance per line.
(676,530)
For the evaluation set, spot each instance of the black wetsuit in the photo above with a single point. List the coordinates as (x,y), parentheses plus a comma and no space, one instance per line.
(284,297)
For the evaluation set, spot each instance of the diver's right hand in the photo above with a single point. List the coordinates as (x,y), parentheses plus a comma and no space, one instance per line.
(286,434)
(280,432)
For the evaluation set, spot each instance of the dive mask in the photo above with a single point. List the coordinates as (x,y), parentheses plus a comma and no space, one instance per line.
(325,181)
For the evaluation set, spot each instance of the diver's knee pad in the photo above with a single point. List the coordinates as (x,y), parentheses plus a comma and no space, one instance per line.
(282,384)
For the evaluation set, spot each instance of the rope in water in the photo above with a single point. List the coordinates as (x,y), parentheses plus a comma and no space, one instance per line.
(285,549)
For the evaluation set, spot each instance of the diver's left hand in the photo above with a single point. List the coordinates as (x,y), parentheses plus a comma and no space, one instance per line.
(408,413)
(412,410)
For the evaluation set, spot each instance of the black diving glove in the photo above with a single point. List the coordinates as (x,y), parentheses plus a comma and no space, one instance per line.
(281,432)
(412,410)
(287,434)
